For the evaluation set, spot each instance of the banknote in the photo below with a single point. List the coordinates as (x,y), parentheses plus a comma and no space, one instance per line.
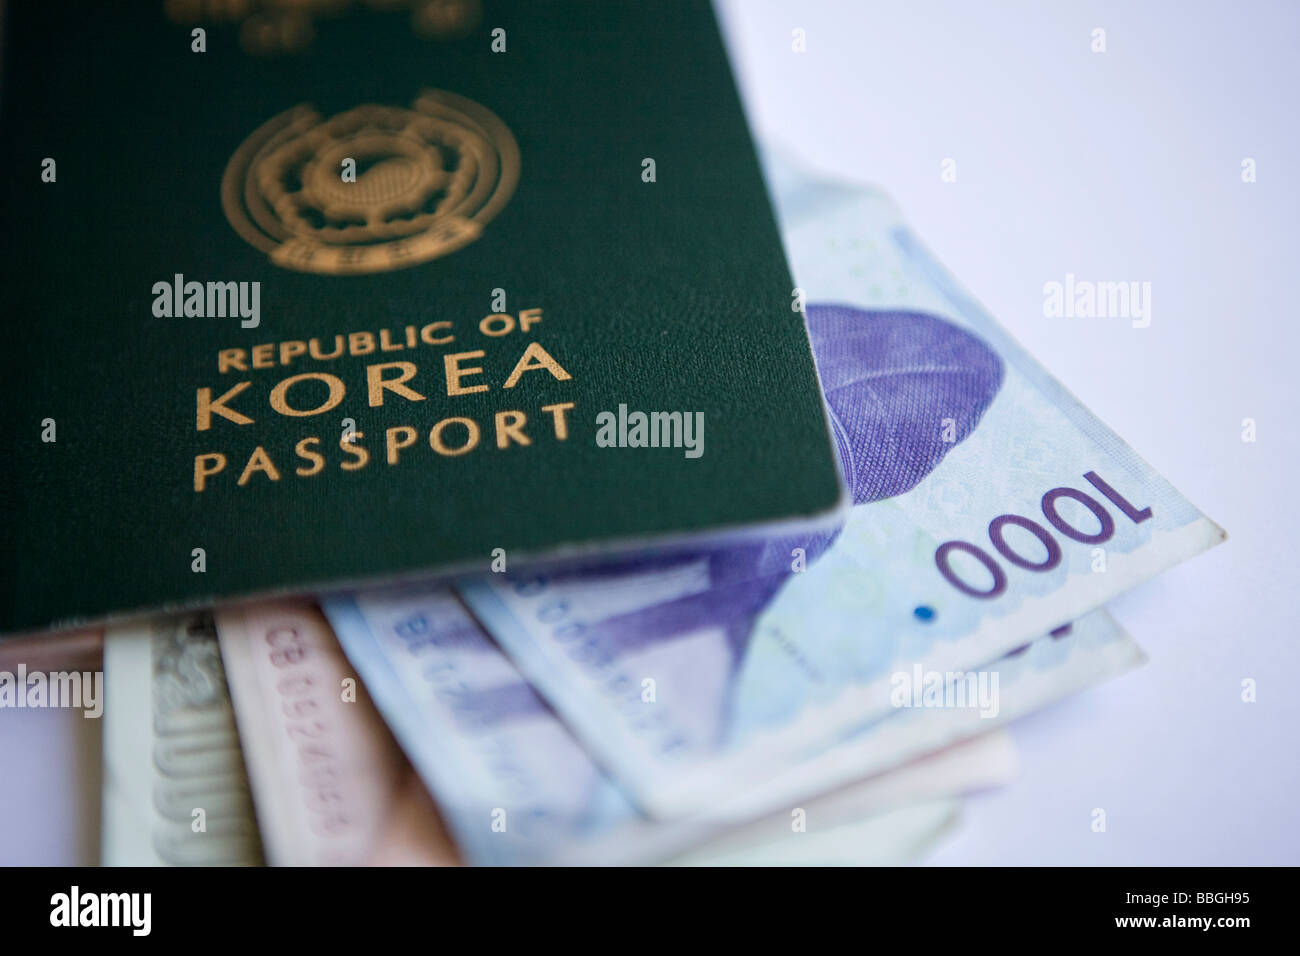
(70,650)
(894,837)
(989,506)
(515,786)
(408,838)
(1067,660)
(330,785)
(175,792)
(843,824)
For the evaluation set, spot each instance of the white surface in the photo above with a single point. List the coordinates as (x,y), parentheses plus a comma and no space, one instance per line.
(49,787)
(1123,165)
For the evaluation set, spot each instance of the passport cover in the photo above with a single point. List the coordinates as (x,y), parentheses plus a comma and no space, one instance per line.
(312,295)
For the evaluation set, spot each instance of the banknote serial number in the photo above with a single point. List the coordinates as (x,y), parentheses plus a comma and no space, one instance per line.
(305,696)
(997,536)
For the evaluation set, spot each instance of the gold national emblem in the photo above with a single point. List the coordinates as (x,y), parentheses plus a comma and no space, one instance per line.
(425,181)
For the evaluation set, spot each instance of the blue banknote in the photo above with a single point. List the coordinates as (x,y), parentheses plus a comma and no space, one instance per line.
(989,506)
(512,784)
(515,787)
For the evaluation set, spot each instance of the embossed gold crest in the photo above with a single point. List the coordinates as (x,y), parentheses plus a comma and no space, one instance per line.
(428,179)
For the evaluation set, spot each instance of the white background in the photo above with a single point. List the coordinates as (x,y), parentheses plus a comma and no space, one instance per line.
(1123,165)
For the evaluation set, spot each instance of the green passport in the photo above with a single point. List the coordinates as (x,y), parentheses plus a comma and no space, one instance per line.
(304,296)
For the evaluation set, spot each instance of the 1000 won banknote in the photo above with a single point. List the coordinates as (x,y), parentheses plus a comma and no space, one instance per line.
(989,507)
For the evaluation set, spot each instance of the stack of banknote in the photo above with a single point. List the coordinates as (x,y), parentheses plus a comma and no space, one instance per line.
(813,696)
